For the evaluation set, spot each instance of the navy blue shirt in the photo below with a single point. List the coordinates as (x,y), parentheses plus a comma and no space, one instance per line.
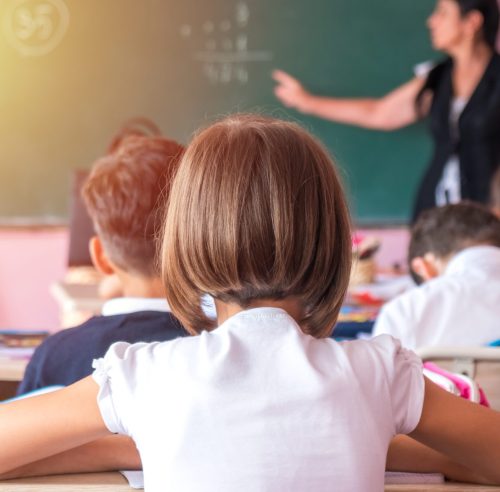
(67,356)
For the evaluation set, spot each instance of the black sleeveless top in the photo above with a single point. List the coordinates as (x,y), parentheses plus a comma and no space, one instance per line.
(478,144)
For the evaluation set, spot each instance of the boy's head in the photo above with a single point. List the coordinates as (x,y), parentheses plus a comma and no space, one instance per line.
(124,194)
(441,232)
(257,212)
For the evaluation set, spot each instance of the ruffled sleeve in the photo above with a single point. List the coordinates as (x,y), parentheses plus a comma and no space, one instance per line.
(115,374)
(102,377)
(405,382)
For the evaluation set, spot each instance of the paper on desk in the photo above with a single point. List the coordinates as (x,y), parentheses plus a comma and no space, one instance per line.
(15,353)
(385,288)
(135,478)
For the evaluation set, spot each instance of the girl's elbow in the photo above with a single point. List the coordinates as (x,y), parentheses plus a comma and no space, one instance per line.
(492,477)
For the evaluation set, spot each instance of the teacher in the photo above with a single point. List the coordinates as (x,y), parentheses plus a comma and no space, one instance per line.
(460,95)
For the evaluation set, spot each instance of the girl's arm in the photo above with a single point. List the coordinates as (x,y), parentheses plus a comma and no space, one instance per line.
(109,453)
(34,428)
(395,110)
(467,433)
(407,455)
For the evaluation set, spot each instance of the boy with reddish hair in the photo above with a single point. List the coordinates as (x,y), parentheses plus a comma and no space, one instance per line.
(124,194)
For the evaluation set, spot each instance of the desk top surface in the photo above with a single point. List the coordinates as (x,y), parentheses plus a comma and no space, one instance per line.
(445,487)
(105,482)
(12,369)
(114,482)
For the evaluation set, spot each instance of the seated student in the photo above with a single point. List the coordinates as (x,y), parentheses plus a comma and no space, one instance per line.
(124,195)
(264,400)
(455,251)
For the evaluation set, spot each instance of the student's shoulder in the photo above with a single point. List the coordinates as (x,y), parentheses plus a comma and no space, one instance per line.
(148,319)
(176,351)
(142,355)
(62,336)
(379,346)
(380,354)
(49,362)
(417,297)
(400,316)
(402,306)
(138,326)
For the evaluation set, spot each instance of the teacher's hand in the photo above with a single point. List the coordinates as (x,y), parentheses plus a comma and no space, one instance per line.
(290,91)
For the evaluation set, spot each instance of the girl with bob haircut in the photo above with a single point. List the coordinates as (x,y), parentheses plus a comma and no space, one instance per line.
(264,400)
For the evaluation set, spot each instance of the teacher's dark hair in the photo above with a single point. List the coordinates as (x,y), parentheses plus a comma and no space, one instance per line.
(490,12)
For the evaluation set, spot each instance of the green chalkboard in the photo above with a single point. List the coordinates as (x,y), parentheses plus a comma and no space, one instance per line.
(72,71)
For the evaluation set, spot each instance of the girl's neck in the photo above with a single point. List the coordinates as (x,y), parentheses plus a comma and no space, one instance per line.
(291,305)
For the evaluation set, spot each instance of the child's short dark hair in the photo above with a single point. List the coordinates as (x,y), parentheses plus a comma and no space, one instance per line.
(125,194)
(444,231)
(257,211)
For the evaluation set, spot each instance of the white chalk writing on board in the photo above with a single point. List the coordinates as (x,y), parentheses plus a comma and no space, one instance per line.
(35,27)
(225,56)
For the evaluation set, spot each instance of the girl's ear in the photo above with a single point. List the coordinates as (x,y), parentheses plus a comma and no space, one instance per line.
(99,257)
(425,266)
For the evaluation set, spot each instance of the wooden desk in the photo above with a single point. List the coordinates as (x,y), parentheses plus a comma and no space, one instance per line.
(445,487)
(85,482)
(114,482)
(11,373)
(12,369)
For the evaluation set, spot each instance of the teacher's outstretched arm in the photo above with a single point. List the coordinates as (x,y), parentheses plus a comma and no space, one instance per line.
(390,112)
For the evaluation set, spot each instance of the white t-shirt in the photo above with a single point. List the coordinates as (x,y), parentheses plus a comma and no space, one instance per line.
(257,405)
(460,308)
(448,190)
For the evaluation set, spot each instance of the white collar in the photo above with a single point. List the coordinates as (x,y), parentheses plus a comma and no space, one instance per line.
(127,305)
(275,317)
(475,257)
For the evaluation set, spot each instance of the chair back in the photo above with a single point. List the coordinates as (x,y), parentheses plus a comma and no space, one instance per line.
(480,363)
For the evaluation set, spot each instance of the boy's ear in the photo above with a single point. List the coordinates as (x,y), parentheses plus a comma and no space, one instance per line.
(425,267)
(99,257)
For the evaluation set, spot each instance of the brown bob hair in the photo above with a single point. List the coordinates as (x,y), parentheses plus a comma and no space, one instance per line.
(125,195)
(257,211)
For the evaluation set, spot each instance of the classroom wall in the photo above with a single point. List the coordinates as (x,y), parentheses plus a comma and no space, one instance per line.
(32,259)
(394,245)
